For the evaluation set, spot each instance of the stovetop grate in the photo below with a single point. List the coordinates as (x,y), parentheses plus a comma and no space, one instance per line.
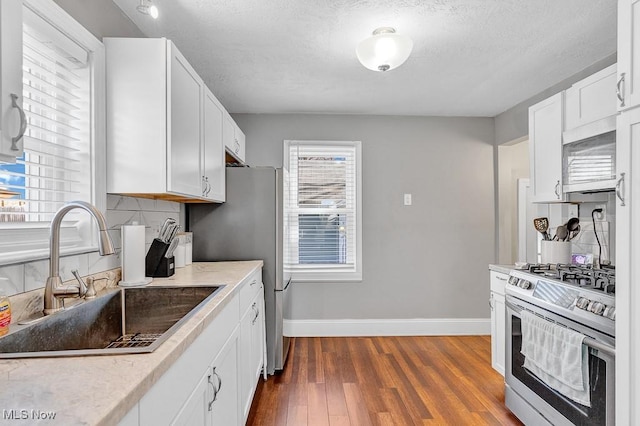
(137,340)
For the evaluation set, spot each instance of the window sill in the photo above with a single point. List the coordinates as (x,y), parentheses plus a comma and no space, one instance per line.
(301,277)
(41,254)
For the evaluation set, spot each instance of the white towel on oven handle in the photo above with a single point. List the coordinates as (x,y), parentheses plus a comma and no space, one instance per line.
(557,356)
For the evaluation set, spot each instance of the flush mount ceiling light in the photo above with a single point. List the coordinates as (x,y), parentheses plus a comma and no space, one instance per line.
(384,50)
(146,7)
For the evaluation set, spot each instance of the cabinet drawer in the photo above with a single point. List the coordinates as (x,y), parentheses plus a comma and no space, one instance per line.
(498,281)
(250,289)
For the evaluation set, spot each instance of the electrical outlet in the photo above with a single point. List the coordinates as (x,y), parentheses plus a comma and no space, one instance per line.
(601,216)
(407,199)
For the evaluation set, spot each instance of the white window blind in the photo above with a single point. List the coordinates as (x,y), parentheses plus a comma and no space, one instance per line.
(56,165)
(322,217)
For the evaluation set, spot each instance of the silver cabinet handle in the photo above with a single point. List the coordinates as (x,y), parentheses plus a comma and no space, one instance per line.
(214,392)
(620,189)
(207,186)
(620,89)
(500,278)
(254,282)
(23,123)
(491,301)
(255,318)
(556,190)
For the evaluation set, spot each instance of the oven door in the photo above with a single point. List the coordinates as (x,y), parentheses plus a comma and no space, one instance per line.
(533,401)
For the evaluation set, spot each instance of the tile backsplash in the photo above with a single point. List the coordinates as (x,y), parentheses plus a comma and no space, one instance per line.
(121,210)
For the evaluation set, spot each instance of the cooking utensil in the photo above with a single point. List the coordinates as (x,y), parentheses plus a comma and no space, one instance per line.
(561,233)
(542,226)
(574,233)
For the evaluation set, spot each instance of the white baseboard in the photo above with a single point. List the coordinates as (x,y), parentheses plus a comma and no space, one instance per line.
(387,327)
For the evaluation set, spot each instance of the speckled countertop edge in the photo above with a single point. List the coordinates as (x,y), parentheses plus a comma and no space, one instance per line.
(100,390)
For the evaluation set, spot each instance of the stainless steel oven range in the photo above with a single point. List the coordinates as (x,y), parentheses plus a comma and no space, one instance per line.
(580,298)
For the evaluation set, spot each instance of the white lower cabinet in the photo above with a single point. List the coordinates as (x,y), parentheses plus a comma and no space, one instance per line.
(252,350)
(498,315)
(214,380)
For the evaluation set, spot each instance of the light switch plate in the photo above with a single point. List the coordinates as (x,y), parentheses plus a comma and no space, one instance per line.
(407,199)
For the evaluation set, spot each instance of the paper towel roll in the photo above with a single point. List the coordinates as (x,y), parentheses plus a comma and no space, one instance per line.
(132,256)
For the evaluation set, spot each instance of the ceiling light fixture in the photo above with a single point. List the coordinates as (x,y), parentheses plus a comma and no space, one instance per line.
(384,50)
(146,7)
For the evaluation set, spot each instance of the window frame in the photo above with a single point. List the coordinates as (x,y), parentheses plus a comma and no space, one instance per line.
(329,272)
(83,238)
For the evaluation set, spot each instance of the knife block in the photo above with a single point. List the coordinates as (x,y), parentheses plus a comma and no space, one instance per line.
(156,264)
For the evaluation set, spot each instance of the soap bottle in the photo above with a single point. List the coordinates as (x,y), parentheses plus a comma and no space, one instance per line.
(5,313)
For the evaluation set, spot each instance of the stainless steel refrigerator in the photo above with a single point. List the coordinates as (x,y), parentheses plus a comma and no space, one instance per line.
(249,226)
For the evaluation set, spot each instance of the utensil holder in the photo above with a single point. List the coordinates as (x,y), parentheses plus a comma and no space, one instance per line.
(156,264)
(555,252)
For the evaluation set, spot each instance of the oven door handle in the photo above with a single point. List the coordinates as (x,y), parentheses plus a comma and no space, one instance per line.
(588,341)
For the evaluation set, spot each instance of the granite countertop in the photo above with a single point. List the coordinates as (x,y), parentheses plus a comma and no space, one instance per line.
(100,390)
(505,269)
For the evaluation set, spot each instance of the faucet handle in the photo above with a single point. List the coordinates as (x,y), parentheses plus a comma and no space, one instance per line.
(81,284)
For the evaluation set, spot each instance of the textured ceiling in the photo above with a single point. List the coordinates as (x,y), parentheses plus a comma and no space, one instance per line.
(470,57)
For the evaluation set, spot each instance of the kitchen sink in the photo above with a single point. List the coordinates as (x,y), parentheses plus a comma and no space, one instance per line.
(126,321)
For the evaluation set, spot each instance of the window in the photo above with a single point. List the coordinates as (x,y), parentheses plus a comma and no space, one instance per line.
(322,210)
(63,77)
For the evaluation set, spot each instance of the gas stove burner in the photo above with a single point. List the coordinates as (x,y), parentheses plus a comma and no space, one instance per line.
(584,276)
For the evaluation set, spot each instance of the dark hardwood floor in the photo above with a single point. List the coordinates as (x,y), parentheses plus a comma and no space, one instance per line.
(435,380)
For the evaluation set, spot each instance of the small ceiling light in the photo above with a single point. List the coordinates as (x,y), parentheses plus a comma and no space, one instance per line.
(384,50)
(146,7)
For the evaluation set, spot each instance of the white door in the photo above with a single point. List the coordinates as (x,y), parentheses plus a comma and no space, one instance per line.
(213,149)
(627,273)
(10,79)
(545,149)
(183,147)
(628,54)
(225,409)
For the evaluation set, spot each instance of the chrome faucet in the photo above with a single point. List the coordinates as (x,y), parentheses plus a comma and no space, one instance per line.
(54,291)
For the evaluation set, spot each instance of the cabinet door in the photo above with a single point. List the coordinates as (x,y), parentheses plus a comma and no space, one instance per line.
(195,412)
(627,273)
(628,54)
(213,149)
(225,407)
(257,338)
(498,312)
(184,134)
(12,121)
(591,99)
(545,149)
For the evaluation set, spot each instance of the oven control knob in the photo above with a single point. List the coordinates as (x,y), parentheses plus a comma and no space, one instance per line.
(582,302)
(524,284)
(596,307)
(610,312)
(513,280)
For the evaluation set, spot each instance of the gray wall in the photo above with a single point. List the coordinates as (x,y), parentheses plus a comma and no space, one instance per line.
(514,122)
(428,260)
(101,17)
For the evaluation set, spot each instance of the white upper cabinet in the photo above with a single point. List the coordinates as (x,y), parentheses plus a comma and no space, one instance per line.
(12,121)
(545,149)
(213,149)
(628,76)
(591,99)
(164,127)
(186,91)
(234,139)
